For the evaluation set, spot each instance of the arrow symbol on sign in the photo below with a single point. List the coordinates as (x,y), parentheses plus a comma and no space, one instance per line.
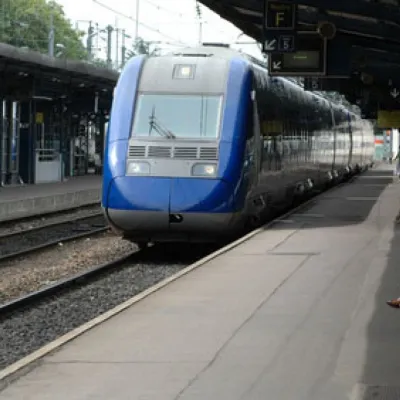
(277,65)
(395,93)
(270,45)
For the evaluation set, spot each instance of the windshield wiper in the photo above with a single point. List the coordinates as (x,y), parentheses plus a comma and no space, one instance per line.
(158,127)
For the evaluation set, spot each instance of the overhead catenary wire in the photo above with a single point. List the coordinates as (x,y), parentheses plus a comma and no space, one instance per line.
(140,23)
(158,7)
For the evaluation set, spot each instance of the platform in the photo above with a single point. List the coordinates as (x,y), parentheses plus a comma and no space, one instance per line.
(27,200)
(295,313)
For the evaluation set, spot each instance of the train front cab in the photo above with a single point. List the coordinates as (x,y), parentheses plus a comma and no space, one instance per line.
(186,187)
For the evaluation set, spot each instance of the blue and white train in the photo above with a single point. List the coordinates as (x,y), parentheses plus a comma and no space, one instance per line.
(204,141)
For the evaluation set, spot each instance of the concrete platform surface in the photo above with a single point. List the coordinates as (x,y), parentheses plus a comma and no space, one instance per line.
(27,200)
(296,313)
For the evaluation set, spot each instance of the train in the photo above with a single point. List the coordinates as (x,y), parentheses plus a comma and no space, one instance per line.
(203,143)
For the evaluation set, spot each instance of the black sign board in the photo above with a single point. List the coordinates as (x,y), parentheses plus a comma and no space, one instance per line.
(280,15)
(308,59)
(279,26)
(313,83)
(279,42)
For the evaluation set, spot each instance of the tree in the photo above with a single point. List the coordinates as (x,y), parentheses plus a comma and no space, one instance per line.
(140,46)
(98,62)
(26,23)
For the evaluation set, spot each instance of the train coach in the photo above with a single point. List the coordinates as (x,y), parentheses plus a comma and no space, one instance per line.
(203,142)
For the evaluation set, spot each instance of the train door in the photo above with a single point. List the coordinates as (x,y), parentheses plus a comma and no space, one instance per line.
(350,136)
(332,137)
(362,134)
(251,148)
(254,126)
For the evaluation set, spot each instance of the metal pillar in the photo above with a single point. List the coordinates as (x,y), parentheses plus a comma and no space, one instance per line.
(89,42)
(137,16)
(5,143)
(51,35)
(3,147)
(100,149)
(14,142)
(109,46)
(123,49)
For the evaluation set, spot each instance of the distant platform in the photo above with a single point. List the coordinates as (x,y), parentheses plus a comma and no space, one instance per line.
(28,200)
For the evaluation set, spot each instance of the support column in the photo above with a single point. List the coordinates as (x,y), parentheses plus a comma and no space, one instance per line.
(3,133)
(5,143)
(26,153)
(15,111)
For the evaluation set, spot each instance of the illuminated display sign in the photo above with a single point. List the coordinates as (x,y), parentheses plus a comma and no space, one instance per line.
(280,15)
(309,59)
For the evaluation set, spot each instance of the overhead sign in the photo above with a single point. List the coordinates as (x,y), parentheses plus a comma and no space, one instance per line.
(308,59)
(326,84)
(279,26)
(395,93)
(388,119)
(280,15)
(279,43)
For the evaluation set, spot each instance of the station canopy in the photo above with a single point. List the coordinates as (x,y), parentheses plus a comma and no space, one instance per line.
(361,56)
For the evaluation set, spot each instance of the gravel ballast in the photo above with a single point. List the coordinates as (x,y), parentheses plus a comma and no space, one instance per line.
(24,275)
(26,331)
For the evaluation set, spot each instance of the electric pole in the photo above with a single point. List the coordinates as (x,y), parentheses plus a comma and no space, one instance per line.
(109,46)
(137,20)
(89,42)
(51,35)
(123,49)
(200,18)
(117,44)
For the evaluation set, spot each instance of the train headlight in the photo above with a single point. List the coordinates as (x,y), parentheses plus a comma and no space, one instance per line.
(205,170)
(139,168)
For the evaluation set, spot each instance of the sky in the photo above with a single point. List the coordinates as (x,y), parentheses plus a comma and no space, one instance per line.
(174,23)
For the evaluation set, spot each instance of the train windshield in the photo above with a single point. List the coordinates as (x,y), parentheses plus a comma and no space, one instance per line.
(177,116)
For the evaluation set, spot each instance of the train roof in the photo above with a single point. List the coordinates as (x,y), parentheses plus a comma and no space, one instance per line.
(224,51)
(218,50)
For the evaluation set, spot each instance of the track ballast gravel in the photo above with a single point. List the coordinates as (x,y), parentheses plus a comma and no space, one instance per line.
(24,332)
(23,275)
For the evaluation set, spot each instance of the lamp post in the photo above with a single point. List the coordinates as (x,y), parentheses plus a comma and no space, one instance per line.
(137,20)
(51,35)
(123,48)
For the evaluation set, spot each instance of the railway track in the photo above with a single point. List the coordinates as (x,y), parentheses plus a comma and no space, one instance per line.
(73,281)
(28,241)
(17,224)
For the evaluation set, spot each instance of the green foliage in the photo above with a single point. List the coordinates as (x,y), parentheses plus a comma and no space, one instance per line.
(26,23)
(98,62)
(140,46)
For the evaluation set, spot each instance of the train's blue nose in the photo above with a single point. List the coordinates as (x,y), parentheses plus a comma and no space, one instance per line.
(170,195)
(201,195)
(139,194)
(154,204)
